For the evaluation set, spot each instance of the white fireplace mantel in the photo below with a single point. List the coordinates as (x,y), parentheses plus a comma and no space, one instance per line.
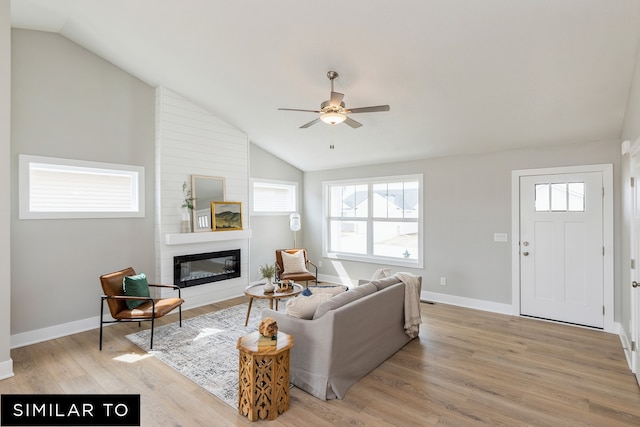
(203,237)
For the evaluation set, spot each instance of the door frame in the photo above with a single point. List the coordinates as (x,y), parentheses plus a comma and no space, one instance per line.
(607,236)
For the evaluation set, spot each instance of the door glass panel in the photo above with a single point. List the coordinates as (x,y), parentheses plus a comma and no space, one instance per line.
(559,197)
(576,196)
(542,197)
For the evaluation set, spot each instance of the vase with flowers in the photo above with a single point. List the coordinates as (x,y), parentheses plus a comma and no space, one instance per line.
(267,271)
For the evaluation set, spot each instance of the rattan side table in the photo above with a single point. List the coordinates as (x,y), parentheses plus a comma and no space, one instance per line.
(263,377)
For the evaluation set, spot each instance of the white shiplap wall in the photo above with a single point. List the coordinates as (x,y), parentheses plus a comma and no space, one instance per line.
(191,141)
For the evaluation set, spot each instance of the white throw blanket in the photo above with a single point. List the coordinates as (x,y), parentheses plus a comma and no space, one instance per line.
(412,318)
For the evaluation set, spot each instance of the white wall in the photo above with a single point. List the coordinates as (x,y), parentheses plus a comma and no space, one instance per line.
(69,103)
(191,141)
(466,200)
(271,232)
(6,365)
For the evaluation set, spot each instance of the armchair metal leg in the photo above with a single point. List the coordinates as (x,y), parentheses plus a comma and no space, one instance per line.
(152,325)
(180,307)
(153,321)
(101,314)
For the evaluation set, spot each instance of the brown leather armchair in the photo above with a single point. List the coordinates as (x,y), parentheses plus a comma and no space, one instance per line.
(306,276)
(148,311)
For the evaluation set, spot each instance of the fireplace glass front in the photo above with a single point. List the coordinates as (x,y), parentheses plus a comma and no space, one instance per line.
(197,269)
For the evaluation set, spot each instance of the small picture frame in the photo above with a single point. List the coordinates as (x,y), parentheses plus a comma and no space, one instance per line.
(226,216)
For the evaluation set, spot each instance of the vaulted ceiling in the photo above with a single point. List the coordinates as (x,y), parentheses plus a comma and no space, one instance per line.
(461,76)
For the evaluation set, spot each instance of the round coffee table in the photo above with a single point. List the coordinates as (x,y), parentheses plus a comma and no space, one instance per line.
(257,291)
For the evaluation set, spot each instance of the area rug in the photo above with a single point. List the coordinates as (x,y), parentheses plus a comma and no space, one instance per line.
(204,349)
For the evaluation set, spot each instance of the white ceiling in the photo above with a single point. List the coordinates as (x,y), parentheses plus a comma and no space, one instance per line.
(461,76)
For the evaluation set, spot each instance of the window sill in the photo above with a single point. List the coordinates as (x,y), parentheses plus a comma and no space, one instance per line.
(376,260)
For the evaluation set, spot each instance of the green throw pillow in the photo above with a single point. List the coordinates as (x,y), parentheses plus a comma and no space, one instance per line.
(135,286)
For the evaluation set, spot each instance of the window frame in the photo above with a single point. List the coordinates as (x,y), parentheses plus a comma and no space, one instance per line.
(296,195)
(369,257)
(138,186)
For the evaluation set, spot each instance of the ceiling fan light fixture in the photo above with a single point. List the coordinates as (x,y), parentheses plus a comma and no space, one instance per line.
(333,118)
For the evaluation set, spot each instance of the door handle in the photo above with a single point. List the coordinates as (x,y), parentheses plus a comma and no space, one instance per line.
(525,253)
(635,284)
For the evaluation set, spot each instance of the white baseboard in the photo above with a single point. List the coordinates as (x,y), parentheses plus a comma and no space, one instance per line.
(494,307)
(52,332)
(75,327)
(437,297)
(6,369)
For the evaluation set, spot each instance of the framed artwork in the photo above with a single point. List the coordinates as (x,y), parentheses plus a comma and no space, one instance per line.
(226,216)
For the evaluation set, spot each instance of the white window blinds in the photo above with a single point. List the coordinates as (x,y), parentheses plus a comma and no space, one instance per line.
(60,188)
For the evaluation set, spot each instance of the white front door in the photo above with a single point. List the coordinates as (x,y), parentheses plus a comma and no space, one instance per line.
(635,268)
(561,247)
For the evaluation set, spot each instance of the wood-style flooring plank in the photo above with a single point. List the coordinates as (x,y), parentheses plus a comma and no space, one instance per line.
(467,368)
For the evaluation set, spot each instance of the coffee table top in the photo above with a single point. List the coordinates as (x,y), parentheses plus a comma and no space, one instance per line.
(257,291)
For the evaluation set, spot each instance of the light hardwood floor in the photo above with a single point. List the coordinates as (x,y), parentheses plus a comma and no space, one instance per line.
(467,368)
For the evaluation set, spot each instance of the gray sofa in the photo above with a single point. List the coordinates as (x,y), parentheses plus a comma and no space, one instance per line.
(350,335)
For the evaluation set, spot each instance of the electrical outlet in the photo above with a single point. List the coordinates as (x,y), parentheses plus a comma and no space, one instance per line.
(443,281)
(500,237)
(319,264)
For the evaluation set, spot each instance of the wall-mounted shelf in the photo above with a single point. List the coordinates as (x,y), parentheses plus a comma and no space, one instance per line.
(203,237)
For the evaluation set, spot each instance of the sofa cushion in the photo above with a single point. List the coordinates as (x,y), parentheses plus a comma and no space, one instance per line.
(344,298)
(135,286)
(293,263)
(305,307)
(381,273)
(380,284)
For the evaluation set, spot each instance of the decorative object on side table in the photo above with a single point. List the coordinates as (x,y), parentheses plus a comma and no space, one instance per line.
(267,271)
(268,329)
(285,286)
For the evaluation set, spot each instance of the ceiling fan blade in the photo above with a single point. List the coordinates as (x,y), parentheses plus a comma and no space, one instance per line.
(312,122)
(352,123)
(368,109)
(336,99)
(295,109)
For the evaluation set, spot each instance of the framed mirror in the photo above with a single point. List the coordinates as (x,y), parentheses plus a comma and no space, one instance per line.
(204,190)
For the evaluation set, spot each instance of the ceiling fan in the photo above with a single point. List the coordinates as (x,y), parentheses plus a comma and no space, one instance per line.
(333,110)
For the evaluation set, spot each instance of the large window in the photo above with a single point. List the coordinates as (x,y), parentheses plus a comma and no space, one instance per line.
(375,220)
(273,197)
(64,188)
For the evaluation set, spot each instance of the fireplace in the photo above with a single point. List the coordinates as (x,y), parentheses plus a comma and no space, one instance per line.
(197,269)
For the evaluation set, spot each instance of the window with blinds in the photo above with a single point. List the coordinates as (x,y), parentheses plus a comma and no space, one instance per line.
(64,188)
(274,197)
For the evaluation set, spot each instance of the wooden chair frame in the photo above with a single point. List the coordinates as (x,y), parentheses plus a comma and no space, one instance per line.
(122,298)
(295,276)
